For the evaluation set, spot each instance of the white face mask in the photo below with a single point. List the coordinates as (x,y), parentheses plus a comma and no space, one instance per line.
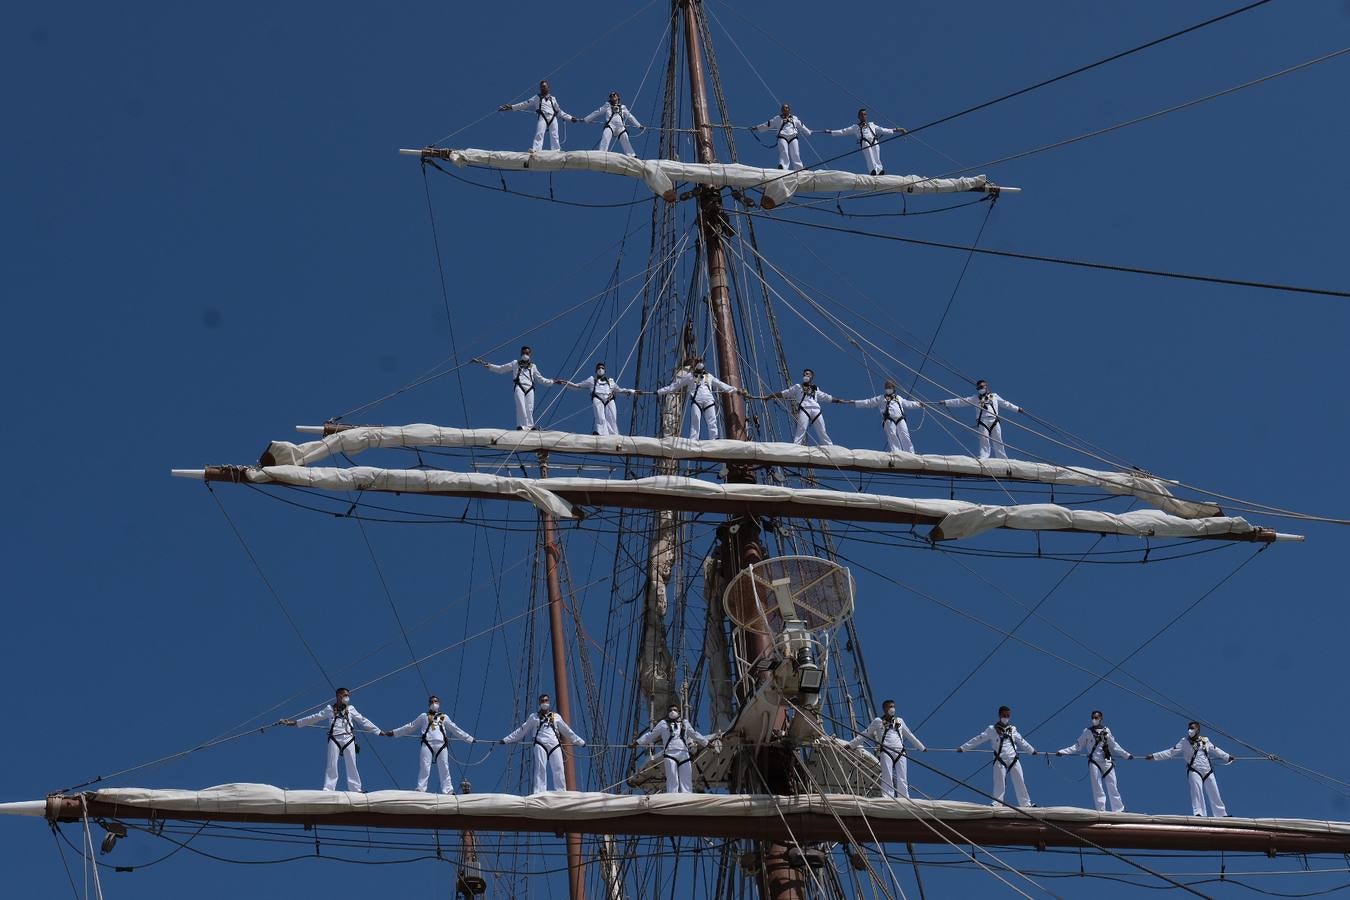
(890,714)
(344,700)
(1192,732)
(1004,720)
(434,707)
(806,379)
(673,715)
(543,707)
(890,392)
(699,368)
(600,373)
(1096,720)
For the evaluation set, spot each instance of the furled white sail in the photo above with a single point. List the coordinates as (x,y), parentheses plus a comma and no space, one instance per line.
(561,497)
(661,175)
(1148,489)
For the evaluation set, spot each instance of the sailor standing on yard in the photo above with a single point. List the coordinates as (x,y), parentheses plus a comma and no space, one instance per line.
(603,393)
(806,398)
(1006,741)
(546,107)
(868,134)
(703,391)
(891,736)
(789,128)
(545,729)
(988,422)
(678,740)
(343,720)
(617,118)
(1102,752)
(1197,750)
(893,424)
(525,377)
(436,730)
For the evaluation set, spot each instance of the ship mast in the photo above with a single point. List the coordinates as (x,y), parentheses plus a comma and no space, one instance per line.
(740,545)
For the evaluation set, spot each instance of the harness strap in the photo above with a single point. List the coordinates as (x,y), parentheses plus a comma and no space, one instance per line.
(553,106)
(866,138)
(886,411)
(785,123)
(594,396)
(523,386)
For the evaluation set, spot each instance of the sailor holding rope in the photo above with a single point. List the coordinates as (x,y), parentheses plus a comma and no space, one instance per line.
(545,729)
(436,730)
(893,424)
(789,128)
(867,134)
(1006,741)
(343,720)
(1197,750)
(525,378)
(604,391)
(546,107)
(1102,751)
(703,391)
(617,118)
(988,423)
(892,738)
(677,740)
(807,397)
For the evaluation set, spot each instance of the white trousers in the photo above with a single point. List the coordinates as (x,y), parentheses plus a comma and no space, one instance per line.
(1202,788)
(1019,785)
(606,416)
(897,436)
(539,129)
(817,425)
(788,154)
(679,775)
(894,774)
(872,153)
(544,763)
(1104,788)
(992,436)
(524,408)
(442,769)
(709,418)
(608,135)
(330,777)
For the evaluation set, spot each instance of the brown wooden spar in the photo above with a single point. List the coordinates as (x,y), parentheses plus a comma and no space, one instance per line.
(576,874)
(841,821)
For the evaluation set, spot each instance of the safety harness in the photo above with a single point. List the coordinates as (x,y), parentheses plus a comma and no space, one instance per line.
(528,384)
(704,381)
(988,405)
(435,720)
(1005,735)
(1201,745)
(892,400)
(809,393)
(616,112)
(784,123)
(675,730)
(602,379)
(546,721)
(896,724)
(548,117)
(867,135)
(345,714)
(1101,738)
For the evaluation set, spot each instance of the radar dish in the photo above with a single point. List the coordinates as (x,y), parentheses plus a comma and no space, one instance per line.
(814,590)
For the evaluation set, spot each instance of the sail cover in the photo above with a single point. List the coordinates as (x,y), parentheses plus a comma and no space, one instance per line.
(661,175)
(562,497)
(1147,488)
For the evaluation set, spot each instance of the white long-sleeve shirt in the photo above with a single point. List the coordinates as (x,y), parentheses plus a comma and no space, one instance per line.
(547,107)
(704,387)
(893,735)
(525,378)
(677,740)
(343,725)
(1095,743)
(787,128)
(866,133)
(1004,740)
(600,388)
(545,731)
(991,405)
(806,397)
(892,406)
(614,118)
(1196,753)
(437,731)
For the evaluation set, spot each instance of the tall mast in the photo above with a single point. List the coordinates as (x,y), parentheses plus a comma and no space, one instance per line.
(576,875)
(740,544)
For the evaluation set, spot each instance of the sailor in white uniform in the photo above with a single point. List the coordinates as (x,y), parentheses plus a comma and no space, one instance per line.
(1198,752)
(617,118)
(868,135)
(548,112)
(1006,741)
(703,391)
(603,390)
(892,738)
(545,729)
(435,729)
(525,377)
(893,423)
(678,740)
(806,398)
(988,423)
(342,720)
(1102,751)
(789,129)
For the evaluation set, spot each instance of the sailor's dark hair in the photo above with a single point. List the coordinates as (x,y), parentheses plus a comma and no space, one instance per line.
(599,364)
(433,697)
(1096,712)
(861,110)
(525,349)
(980,381)
(543,697)
(812,371)
(1196,724)
(1004,709)
(886,703)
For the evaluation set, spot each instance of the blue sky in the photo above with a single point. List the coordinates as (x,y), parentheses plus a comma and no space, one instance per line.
(210,240)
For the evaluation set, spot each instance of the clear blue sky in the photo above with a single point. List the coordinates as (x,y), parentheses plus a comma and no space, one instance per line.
(210,239)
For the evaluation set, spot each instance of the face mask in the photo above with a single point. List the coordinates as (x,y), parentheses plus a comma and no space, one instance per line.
(1096,721)
(890,714)
(673,715)
(890,392)
(343,701)
(543,707)
(600,373)
(699,368)
(435,707)
(1191,732)
(525,359)
(984,392)
(806,379)
(1004,720)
